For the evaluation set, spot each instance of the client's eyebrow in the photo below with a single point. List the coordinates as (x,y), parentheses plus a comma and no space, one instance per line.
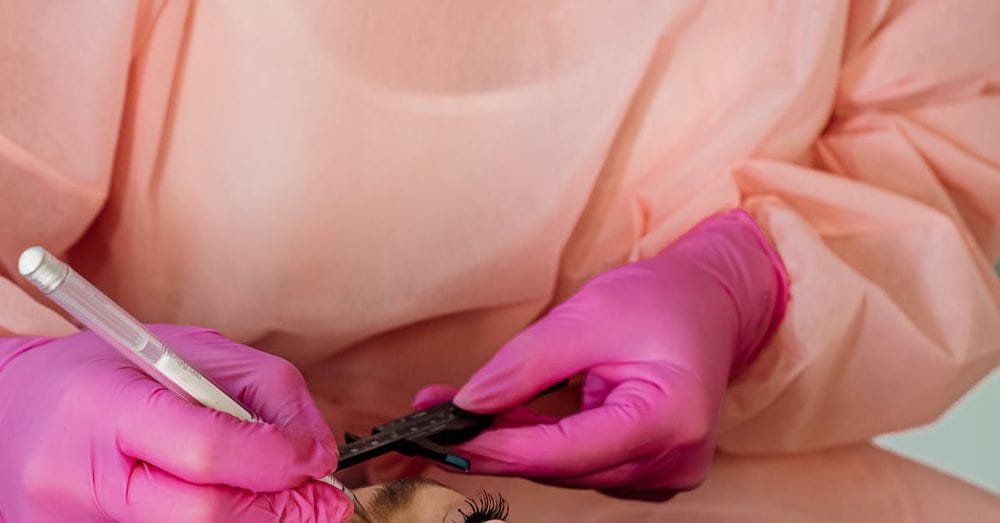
(396,495)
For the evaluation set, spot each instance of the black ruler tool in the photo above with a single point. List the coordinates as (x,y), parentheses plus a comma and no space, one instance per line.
(422,433)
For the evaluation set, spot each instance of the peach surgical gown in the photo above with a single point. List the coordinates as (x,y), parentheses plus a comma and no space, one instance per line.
(385,192)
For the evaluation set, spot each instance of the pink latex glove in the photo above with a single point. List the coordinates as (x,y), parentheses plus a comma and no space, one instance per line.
(86,436)
(657,341)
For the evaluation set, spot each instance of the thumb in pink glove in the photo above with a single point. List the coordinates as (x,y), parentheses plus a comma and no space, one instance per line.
(87,436)
(656,342)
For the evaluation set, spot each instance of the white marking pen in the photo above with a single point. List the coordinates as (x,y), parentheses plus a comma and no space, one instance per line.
(109,321)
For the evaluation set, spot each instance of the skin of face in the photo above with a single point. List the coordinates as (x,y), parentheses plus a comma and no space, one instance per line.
(426,502)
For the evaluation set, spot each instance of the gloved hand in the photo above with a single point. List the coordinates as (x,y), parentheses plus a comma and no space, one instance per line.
(86,436)
(656,342)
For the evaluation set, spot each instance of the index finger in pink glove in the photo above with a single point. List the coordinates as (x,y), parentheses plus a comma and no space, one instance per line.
(270,386)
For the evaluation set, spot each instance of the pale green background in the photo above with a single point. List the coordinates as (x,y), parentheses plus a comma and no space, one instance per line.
(965,441)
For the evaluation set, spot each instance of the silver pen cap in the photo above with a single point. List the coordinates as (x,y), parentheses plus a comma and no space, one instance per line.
(41,269)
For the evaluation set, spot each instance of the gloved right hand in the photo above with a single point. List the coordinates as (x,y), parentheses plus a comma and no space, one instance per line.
(656,342)
(85,436)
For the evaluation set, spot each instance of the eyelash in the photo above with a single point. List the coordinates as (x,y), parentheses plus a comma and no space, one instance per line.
(485,507)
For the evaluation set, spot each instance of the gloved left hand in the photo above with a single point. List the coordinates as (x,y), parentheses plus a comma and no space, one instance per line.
(656,342)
